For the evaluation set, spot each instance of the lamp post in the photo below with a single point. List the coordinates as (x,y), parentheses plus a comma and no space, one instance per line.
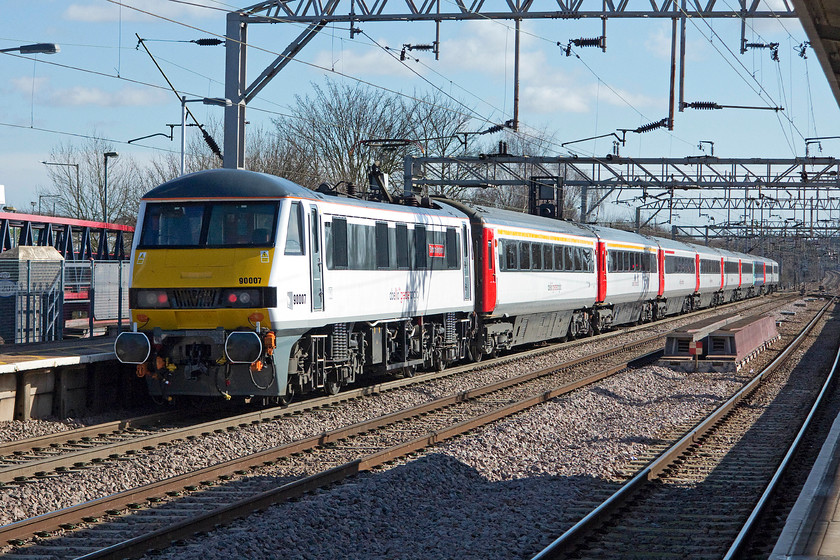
(40,196)
(37,48)
(78,183)
(105,210)
(218,101)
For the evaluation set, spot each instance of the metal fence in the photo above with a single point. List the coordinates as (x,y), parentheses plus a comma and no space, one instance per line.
(38,298)
(31,299)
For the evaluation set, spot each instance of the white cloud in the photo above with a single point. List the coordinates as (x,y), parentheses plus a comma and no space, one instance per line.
(366,62)
(23,84)
(486,46)
(105,12)
(552,98)
(79,96)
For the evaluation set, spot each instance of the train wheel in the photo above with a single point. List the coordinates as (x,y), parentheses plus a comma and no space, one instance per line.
(439,361)
(475,350)
(284,400)
(408,371)
(333,385)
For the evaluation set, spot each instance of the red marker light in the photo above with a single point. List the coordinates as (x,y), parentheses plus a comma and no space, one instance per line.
(162,297)
(232,298)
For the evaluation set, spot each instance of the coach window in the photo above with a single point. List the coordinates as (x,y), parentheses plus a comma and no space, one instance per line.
(294,231)
(558,257)
(511,255)
(452,254)
(588,265)
(421,250)
(383,253)
(524,256)
(568,259)
(547,261)
(536,256)
(402,246)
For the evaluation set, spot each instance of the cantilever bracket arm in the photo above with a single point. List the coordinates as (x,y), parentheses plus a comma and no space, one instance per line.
(281,61)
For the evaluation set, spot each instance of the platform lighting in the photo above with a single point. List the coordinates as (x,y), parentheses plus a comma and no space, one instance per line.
(37,48)
(42,196)
(105,210)
(217,101)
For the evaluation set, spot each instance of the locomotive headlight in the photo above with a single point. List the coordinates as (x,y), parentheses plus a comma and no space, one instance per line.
(237,297)
(132,348)
(152,299)
(243,347)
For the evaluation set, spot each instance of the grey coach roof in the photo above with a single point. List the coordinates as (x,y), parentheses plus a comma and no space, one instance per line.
(228,183)
(241,184)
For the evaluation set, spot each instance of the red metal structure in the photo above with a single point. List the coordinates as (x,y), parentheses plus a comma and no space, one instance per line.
(74,239)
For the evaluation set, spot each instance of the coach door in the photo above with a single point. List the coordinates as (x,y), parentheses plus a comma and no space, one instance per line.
(465,262)
(315,260)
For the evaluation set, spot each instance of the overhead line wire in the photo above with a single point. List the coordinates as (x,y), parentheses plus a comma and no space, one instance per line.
(310,64)
(761,87)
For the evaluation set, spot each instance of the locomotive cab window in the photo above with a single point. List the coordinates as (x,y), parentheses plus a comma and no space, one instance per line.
(172,225)
(294,230)
(233,224)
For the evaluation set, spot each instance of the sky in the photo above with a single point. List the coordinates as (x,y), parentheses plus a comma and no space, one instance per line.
(101,84)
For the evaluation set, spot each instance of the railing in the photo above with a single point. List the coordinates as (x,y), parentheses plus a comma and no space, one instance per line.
(31,299)
(39,299)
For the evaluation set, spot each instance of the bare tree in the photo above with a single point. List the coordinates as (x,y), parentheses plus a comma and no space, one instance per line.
(83,195)
(330,126)
(278,153)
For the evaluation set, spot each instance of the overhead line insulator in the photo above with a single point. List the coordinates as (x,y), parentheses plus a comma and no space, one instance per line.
(593,42)
(652,126)
(211,42)
(211,143)
(703,105)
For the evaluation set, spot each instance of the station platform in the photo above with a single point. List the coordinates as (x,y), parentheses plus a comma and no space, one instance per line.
(26,357)
(812,530)
(58,379)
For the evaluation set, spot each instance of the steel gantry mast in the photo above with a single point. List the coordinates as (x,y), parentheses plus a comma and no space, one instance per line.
(316,14)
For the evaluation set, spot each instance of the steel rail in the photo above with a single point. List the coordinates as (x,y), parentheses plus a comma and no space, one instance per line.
(749,525)
(97,430)
(597,516)
(51,521)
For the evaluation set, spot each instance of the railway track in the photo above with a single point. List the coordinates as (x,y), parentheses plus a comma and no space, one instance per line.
(313,462)
(697,499)
(301,465)
(53,455)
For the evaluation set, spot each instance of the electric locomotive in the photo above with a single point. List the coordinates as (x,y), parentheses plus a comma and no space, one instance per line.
(247,284)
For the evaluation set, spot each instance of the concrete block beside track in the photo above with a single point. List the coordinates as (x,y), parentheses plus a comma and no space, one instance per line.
(8,389)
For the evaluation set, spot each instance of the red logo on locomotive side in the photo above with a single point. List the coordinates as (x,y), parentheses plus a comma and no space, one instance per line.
(436,250)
